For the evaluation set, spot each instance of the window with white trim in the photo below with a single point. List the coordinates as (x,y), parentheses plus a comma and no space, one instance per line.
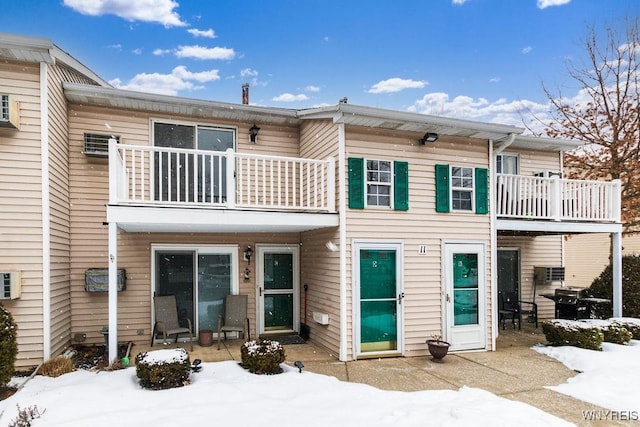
(379,182)
(507,164)
(462,188)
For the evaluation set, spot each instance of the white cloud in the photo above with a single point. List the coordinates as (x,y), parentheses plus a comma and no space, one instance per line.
(159,11)
(167,84)
(459,2)
(201,52)
(501,111)
(542,4)
(526,49)
(248,72)
(289,97)
(209,34)
(137,51)
(312,88)
(494,80)
(396,85)
(161,52)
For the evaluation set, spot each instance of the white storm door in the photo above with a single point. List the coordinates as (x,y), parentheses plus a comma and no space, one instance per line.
(464,305)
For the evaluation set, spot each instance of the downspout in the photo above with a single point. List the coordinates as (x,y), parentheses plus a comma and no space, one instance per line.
(494,248)
(46,212)
(342,213)
(503,145)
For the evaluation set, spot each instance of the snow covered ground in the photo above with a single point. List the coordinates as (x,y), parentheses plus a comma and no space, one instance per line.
(223,393)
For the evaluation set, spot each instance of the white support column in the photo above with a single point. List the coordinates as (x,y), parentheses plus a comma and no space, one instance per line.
(616,261)
(113,292)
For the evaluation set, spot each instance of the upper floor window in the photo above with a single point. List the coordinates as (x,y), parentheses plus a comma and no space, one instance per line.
(378,183)
(379,173)
(507,164)
(461,189)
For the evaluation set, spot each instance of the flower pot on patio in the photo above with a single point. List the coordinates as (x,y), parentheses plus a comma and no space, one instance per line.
(205,337)
(438,349)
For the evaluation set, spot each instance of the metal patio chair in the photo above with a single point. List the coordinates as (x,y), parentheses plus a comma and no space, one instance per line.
(166,312)
(235,317)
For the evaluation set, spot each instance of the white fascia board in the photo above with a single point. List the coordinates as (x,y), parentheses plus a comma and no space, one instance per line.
(557,227)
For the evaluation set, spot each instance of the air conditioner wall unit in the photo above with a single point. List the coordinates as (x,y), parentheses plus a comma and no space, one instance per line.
(96,145)
(10,285)
(547,275)
(9,112)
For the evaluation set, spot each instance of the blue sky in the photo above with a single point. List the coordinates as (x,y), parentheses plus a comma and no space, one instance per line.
(474,59)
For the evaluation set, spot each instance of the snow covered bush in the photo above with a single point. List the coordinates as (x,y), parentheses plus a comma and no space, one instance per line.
(8,346)
(572,332)
(262,356)
(162,369)
(612,331)
(630,324)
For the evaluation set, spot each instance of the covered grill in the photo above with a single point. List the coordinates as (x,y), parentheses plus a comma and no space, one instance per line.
(571,305)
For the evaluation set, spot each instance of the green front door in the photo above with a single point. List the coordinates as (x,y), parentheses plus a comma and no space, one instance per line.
(378,300)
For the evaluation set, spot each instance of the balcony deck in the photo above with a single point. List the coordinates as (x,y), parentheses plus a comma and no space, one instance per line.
(532,203)
(168,189)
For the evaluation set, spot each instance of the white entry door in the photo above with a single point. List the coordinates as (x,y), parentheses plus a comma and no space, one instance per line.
(278,289)
(464,305)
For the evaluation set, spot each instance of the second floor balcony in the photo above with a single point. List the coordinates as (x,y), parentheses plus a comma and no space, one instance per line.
(264,192)
(555,199)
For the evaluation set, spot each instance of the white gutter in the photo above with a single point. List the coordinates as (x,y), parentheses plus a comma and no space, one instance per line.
(342,214)
(494,248)
(503,145)
(46,212)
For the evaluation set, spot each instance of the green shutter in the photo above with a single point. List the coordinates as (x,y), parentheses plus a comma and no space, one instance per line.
(356,183)
(401,186)
(442,188)
(482,191)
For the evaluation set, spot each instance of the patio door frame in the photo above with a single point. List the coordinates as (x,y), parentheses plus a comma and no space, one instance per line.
(398,247)
(261,250)
(196,250)
(464,337)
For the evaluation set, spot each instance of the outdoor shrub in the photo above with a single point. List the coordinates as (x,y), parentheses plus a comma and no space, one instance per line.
(57,366)
(25,416)
(262,356)
(8,346)
(612,331)
(162,369)
(630,324)
(602,287)
(572,332)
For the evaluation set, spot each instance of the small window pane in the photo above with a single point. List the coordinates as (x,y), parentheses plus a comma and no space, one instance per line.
(461,200)
(379,176)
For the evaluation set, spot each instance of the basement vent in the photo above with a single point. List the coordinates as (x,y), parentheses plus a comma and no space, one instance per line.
(96,145)
(9,114)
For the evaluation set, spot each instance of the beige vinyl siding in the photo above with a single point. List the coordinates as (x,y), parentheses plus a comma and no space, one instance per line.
(21,207)
(534,161)
(420,225)
(320,266)
(89,195)
(587,255)
(58,134)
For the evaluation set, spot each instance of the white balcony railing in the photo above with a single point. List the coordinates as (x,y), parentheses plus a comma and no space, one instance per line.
(531,197)
(160,176)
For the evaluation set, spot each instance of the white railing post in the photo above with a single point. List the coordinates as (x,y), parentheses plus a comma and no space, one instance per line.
(116,175)
(331,184)
(555,199)
(231,181)
(616,200)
